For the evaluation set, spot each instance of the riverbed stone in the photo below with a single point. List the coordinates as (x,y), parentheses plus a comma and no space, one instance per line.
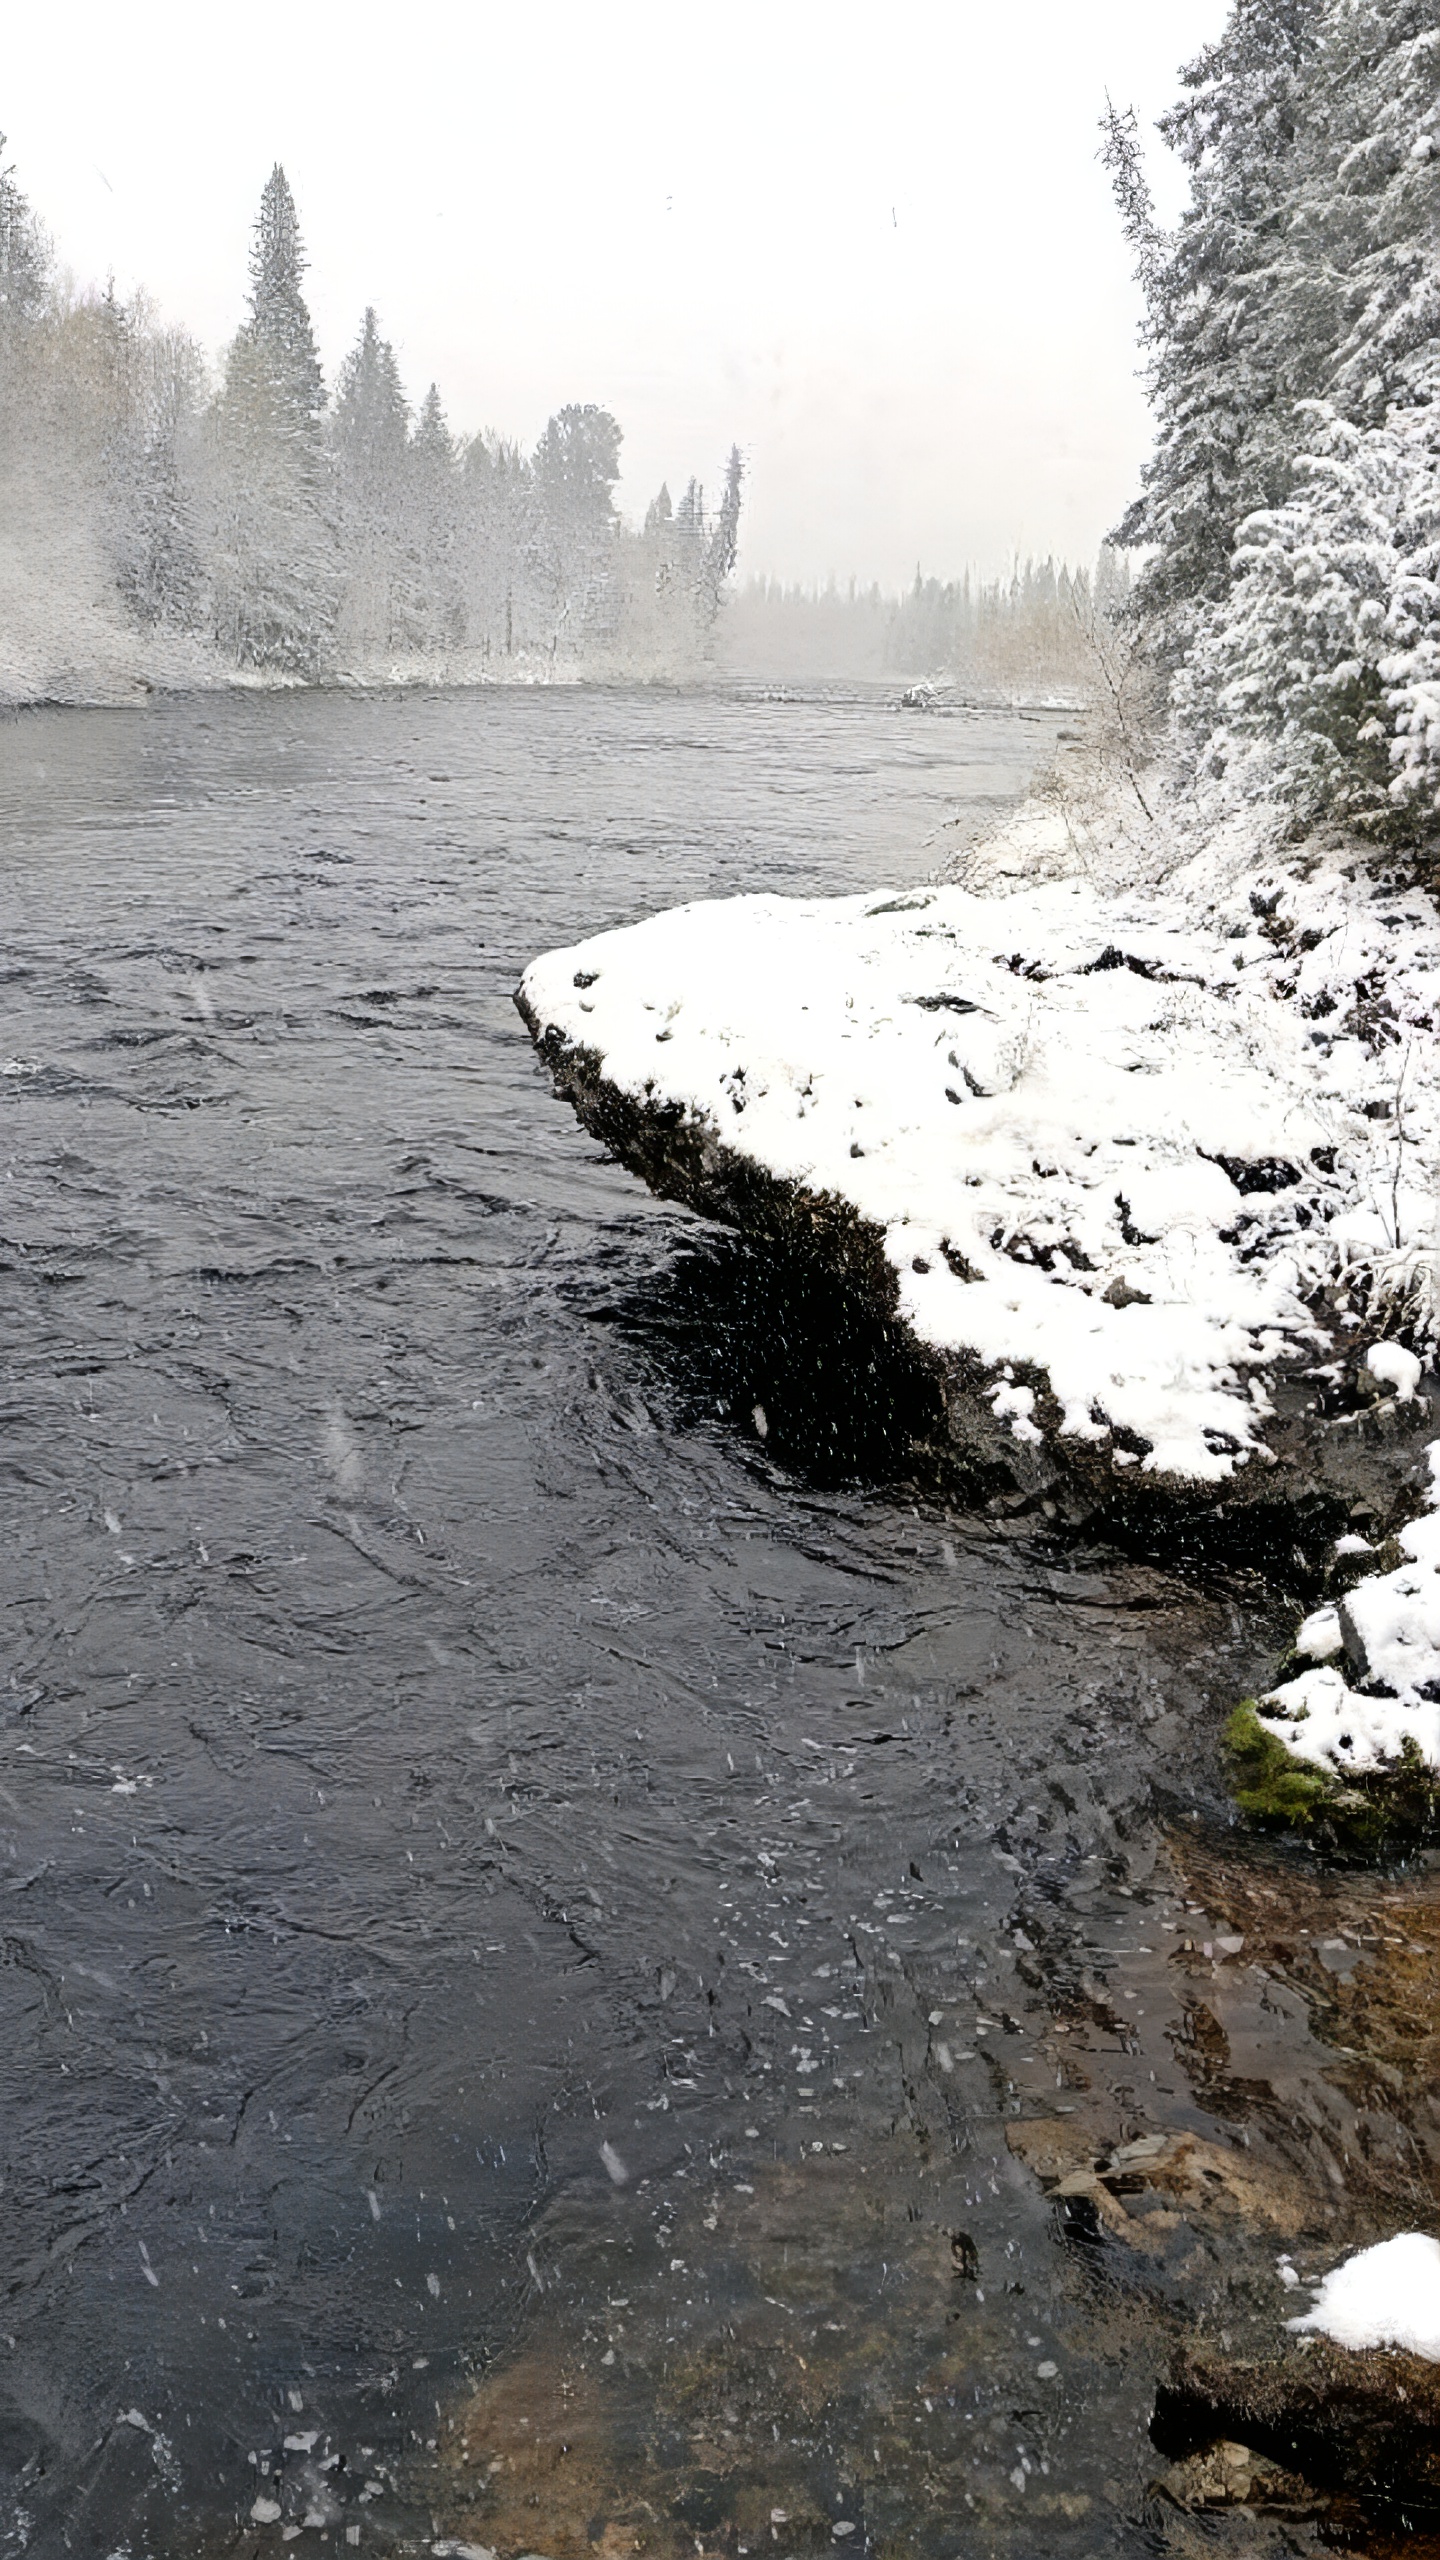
(1363,2424)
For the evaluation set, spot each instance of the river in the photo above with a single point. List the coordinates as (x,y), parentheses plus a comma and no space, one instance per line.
(524,1838)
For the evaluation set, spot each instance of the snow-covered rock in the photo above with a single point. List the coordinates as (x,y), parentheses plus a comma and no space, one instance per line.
(1395,1367)
(1387,1695)
(1114,1138)
(1388,2296)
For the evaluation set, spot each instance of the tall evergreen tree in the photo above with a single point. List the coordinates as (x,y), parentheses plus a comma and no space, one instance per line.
(1367,210)
(575,467)
(503,569)
(278,330)
(1292,506)
(275,574)
(1222,382)
(383,606)
(24,255)
(434,496)
(372,416)
(433,442)
(158,553)
(722,549)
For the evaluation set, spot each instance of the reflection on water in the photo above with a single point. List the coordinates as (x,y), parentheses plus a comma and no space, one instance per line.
(778,1353)
(536,1911)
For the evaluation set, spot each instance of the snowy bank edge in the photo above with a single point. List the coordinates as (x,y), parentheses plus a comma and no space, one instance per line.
(681,1157)
(1186,909)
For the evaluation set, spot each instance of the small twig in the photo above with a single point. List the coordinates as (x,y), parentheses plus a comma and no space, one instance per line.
(1399,1139)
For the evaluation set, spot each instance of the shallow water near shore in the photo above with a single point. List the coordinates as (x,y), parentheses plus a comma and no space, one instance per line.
(562,1920)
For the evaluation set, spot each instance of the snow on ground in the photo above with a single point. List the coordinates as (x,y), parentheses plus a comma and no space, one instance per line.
(1386,1633)
(1118,1105)
(1388,2296)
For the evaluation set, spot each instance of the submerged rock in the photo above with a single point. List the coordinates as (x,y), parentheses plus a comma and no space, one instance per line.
(1234,2475)
(1366,2426)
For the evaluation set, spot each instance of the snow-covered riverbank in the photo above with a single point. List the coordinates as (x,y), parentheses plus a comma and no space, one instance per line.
(1117,1141)
(1136,1131)
(90,662)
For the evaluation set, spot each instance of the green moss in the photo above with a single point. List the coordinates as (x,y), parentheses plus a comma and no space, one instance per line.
(1270,1784)
(1380,1810)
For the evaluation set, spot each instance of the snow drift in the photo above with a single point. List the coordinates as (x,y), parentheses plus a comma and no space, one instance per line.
(1388,2296)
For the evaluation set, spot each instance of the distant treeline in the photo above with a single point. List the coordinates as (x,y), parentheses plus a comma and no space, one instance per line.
(155,520)
(1035,632)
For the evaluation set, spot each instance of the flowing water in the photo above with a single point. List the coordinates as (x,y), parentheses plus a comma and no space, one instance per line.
(535,1867)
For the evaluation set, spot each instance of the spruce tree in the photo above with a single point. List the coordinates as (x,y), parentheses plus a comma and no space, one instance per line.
(382,607)
(158,555)
(433,443)
(1284,683)
(372,416)
(722,549)
(1223,384)
(1293,502)
(278,329)
(573,474)
(576,466)
(1367,210)
(434,498)
(275,580)
(24,257)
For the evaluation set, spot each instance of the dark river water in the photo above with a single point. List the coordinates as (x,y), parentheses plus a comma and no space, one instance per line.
(518,1895)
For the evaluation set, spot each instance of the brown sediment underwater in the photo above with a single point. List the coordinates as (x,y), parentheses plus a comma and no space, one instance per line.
(817,2342)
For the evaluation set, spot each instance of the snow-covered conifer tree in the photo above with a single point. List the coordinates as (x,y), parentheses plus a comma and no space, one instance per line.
(434,503)
(380,609)
(1368,208)
(1285,683)
(24,252)
(1223,383)
(372,416)
(722,548)
(1300,617)
(278,330)
(157,543)
(271,533)
(574,470)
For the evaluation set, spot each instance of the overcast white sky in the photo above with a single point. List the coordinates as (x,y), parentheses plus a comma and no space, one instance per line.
(871,245)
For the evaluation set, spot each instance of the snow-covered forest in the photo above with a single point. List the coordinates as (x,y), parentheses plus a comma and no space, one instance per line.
(160,524)
(1031,634)
(1290,515)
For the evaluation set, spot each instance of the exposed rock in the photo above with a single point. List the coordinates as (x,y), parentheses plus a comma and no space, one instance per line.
(1329,1467)
(1365,2424)
(1201,2180)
